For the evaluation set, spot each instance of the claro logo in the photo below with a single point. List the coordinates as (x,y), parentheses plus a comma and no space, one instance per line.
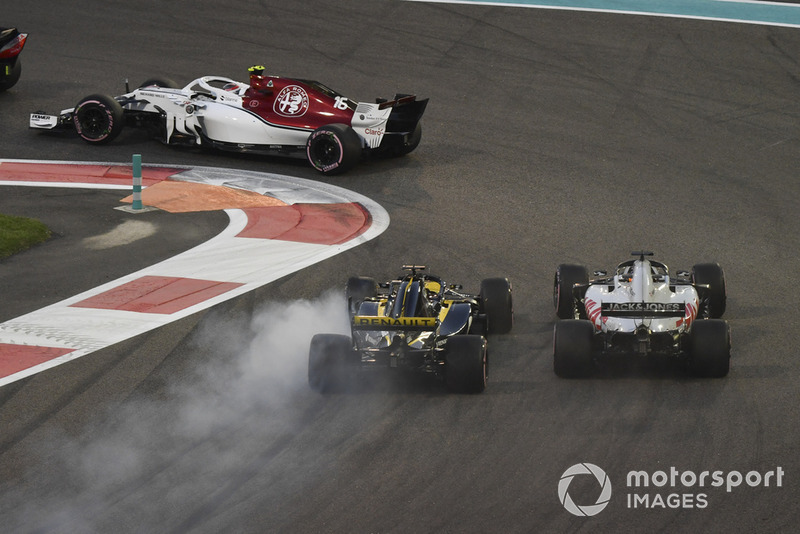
(602,499)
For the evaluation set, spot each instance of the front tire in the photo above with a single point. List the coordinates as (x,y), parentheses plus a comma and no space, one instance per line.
(358,289)
(712,275)
(572,348)
(710,348)
(98,119)
(563,296)
(497,304)
(333,149)
(466,364)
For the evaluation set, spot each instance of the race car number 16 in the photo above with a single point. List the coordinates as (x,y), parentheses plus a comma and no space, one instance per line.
(340,103)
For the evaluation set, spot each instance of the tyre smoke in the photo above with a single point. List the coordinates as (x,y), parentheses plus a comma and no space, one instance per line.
(165,460)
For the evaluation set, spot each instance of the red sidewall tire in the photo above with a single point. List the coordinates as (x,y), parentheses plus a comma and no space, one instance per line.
(98,119)
(333,148)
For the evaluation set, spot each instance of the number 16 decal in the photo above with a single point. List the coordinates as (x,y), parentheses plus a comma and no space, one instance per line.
(340,103)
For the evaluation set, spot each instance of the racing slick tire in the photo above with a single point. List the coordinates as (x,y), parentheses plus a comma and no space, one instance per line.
(572,348)
(711,274)
(98,119)
(466,364)
(563,299)
(358,289)
(7,82)
(333,148)
(166,83)
(497,304)
(331,363)
(710,348)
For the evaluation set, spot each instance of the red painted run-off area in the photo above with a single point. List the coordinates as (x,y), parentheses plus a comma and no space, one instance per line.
(322,224)
(91,174)
(16,358)
(157,294)
(148,294)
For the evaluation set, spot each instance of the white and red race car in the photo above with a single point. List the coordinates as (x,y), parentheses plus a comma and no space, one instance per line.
(641,310)
(270,115)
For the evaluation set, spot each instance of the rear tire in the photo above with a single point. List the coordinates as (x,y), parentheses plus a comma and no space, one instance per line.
(333,149)
(497,303)
(332,363)
(166,83)
(710,348)
(98,119)
(563,297)
(572,348)
(7,82)
(466,364)
(711,274)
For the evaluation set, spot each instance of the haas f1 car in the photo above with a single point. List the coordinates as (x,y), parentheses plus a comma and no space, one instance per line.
(416,323)
(640,309)
(270,115)
(11,43)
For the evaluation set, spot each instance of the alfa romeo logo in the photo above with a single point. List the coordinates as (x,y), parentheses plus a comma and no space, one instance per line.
(586,510)
(292,101)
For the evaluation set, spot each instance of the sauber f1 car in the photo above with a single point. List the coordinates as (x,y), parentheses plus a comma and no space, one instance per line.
(11,43)
(270,115)
(416,323)
(640,309)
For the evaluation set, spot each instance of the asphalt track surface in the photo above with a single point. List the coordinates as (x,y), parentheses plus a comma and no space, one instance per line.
(550,137)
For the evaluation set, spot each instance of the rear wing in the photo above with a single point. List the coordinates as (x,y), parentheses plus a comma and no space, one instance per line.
(377,323)
(643,309)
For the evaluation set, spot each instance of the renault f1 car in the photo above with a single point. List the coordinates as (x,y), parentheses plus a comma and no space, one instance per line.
(11,43)
(268,115)
(416,322)
(641,309)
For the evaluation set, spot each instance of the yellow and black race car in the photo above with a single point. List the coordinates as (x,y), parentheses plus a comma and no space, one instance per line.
(417,323)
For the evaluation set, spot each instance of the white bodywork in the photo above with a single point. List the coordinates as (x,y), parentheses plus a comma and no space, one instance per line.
(369,122)
(642,294)
(217,112)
